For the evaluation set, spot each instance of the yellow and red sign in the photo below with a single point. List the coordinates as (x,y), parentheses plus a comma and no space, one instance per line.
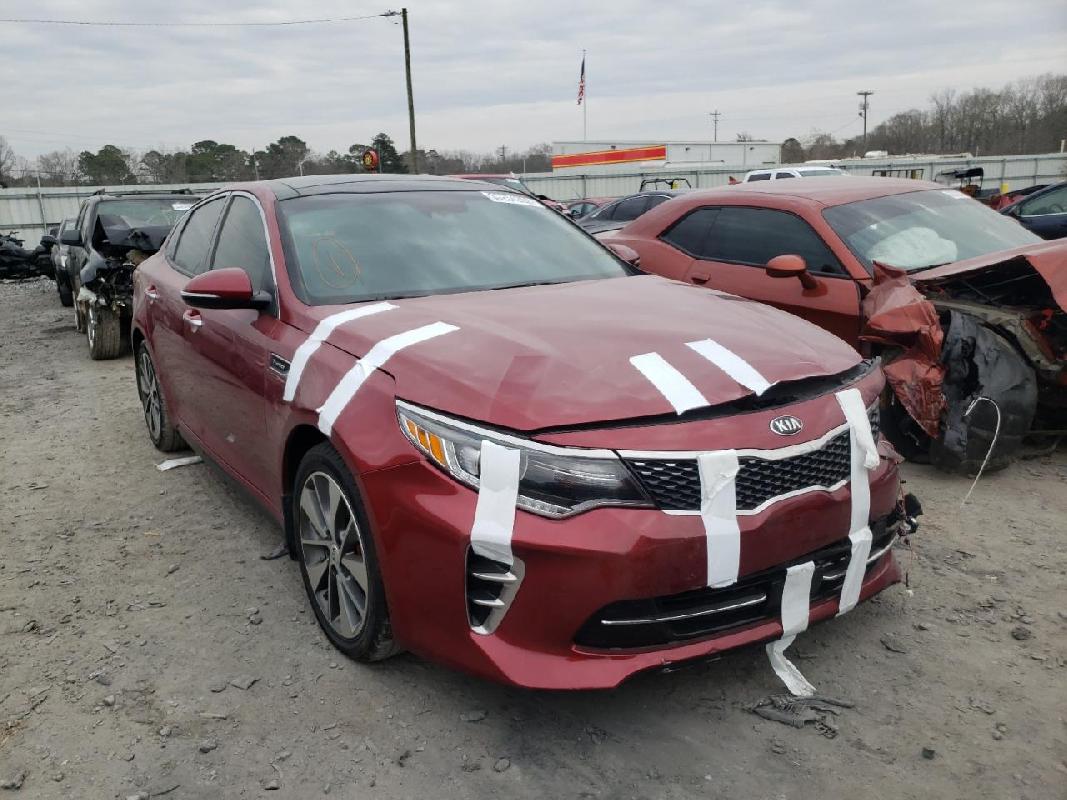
(626,155)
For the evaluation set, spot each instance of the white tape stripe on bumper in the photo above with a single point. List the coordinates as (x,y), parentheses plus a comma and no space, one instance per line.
(718,511)
(864,457)
(796,605)
(347,387)
(732,364)
(318,336)
(498,494)
(672,384)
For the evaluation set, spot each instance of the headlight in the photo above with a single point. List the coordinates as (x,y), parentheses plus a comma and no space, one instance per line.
(554,481)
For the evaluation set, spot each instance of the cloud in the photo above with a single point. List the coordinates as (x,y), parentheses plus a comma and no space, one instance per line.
(488,74)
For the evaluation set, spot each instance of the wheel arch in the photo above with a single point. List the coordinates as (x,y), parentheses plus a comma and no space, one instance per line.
(300,440)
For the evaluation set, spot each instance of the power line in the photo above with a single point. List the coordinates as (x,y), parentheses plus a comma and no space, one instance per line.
(111,24)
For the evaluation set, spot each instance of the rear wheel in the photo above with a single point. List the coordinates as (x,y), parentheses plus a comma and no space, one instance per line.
(160,429)
(104,331)
(337,558)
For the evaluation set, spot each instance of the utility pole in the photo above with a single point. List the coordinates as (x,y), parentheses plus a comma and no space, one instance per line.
(715,121)
(407,72)
(865,105)
(503,154)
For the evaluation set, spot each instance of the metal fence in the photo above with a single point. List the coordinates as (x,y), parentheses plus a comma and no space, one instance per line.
(1017,171)
(32,210)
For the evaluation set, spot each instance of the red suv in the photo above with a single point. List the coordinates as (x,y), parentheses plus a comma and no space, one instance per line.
(494,443)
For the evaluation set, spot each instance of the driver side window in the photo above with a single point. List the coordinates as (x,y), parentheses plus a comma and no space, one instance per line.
(242,243)
(1054,202)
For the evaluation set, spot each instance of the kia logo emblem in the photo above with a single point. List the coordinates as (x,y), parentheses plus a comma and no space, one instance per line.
(787,425)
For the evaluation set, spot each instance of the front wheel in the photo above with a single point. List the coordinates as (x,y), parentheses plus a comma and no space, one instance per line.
(104,331)
(66,296)
(337,558)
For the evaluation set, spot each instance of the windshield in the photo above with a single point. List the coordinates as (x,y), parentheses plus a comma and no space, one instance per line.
(142,212)
(511,183)
(347,248)
(924,229)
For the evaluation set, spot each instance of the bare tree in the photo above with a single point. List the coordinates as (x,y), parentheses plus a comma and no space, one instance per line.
(7,159)
(58,168)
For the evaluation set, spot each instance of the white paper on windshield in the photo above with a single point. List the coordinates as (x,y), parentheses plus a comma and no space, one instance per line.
(732,364)
(672,384)
(718,511)
(347,387)
(318,336)
(796,605)
(512,199)
(913,248)
(955,195)
(498,494)
(864,458)
(181,206)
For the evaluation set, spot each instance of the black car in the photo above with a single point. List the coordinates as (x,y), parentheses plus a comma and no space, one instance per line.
(1044,212)
(113,233)
(58,254)
(618,213)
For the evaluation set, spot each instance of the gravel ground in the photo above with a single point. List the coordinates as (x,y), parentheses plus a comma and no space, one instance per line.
(146,648)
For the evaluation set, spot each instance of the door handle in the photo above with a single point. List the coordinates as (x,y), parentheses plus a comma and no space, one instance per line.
(151,293)
(699,277)
(193,319)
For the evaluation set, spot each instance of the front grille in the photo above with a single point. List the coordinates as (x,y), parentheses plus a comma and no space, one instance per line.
(674,484)
(707,612)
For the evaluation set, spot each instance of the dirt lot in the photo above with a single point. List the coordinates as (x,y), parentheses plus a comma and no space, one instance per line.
(134,606)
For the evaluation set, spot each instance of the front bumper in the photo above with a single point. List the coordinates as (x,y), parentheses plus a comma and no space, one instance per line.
(577,567)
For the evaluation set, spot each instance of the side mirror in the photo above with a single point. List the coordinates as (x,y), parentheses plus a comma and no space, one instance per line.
(574,213)
(48,240)
(71,237)
(627,254)
(791,266)
(228,288)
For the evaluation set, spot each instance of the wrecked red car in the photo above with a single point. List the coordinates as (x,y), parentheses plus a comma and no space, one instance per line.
(965,307)
(492,442)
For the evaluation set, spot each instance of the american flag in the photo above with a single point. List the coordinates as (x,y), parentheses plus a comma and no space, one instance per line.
(581,83)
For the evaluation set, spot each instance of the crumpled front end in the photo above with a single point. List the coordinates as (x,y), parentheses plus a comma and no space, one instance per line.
(975,352)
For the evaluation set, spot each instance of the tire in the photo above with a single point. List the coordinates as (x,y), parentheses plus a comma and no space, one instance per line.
(104,332)
(154,405)
(66,295)
(331,567)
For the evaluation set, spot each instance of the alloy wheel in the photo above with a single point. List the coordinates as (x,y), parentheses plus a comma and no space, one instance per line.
(332,554)
(150,402)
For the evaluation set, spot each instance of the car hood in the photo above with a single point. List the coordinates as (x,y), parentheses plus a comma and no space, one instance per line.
(1048,259)
(558,356)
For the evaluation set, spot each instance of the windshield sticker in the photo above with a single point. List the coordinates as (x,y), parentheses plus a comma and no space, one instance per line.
(513,199)
(955,195)
(181,206)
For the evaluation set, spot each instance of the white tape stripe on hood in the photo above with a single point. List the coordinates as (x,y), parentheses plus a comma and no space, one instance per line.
(318,336)
(732,364)
(347,387)
(864,457)
(718,511)
(498,494)
(672,384)
(796,605)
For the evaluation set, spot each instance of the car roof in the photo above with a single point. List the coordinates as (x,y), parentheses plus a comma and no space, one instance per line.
(824,191)
(286,188)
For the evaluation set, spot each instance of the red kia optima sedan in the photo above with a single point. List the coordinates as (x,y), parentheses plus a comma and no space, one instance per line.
(492,442)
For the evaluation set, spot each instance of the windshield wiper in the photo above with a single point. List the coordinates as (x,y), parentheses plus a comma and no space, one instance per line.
(530,283)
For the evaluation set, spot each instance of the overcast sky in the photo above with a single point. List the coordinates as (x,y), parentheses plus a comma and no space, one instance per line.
(488,74)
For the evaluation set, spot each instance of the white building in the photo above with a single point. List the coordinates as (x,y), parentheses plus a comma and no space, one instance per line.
(612,157)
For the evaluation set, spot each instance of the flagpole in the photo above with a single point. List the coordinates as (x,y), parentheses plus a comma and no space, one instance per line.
(585,107)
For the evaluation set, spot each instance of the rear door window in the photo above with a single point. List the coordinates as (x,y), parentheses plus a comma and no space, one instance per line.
(190,255)
(779,175)
(756,235)
(630,208)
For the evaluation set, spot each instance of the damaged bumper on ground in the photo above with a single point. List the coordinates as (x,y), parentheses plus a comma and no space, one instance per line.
(976,352)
